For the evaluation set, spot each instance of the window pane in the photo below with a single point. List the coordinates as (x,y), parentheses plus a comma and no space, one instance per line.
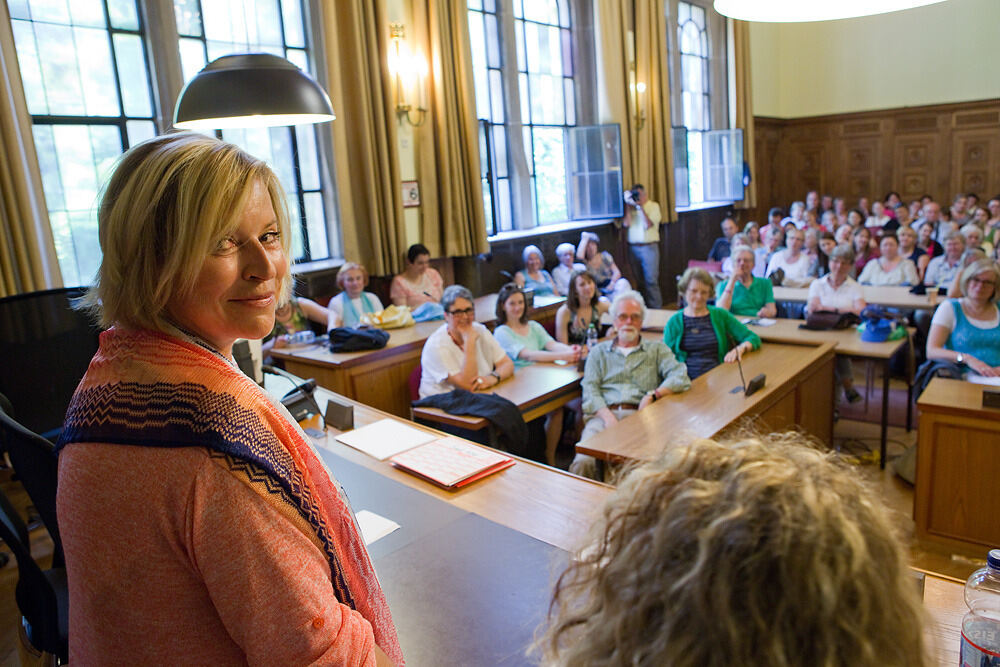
(94,59)
(192,57)
(492,32)
(188,18)
(87,13)
(299,58)
(305,137)
(268,22)
(546,99)
(504,205)
(139,130)
(522,80)
(31,69)
(496,96)
(132,75)
(570,99)
(291,12)
(475,4)
(695,183)
(500,151)
(528,149)
(316,225)
(295,218)
(60,70)
(550,175)
(522,65)
(543,11)
(18,9)
(123,14)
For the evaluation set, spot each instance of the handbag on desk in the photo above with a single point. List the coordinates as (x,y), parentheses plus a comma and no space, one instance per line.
(393,317)
(348,339)
(827,320)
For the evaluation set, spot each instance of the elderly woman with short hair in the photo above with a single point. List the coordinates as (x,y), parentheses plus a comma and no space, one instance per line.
(704,336)
(462,353)
(534,276)
(250,553)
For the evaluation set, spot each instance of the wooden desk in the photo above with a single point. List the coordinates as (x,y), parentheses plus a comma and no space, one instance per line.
(536,389)
(890,297)
(799,377)
(543,310)
(558,509)
(958,464)
(375,377)
(846,341)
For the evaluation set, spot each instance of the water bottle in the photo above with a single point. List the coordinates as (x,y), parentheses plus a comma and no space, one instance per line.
(981,626)
(302,338)
(591,342)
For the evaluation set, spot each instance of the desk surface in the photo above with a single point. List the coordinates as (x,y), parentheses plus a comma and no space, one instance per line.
(847,341)
(399,340)
(534,386)
(708,407)
(888,296)
(956,397)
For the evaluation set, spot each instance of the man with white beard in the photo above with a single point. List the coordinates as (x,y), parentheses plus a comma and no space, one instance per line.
(625,375)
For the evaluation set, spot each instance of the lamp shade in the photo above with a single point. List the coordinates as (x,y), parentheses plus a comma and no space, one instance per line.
(251,90)
(795,11)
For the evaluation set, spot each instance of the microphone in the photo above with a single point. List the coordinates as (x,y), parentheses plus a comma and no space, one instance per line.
(299,400)
(755,384)
(508,275)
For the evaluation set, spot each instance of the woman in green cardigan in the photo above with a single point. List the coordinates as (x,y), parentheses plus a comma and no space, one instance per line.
(704,336)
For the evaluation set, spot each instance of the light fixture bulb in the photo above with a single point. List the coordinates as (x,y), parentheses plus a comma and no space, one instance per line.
(797,11)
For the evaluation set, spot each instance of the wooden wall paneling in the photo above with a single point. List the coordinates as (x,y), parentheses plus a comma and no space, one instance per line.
(938,150)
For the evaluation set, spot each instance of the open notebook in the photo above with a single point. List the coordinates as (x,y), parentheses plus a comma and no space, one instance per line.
(451,462)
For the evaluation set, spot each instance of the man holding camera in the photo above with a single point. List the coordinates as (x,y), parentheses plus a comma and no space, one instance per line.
(642,217)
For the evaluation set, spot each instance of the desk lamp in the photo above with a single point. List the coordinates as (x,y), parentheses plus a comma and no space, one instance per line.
(251,90)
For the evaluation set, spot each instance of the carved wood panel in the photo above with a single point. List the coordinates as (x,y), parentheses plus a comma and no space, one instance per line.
(938,150)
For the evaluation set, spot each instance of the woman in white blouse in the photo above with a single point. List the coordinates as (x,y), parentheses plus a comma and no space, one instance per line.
(792,260)
(890,268)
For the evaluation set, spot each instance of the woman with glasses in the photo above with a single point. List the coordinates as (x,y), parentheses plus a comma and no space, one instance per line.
(462,354)
(966,331)
(704,336)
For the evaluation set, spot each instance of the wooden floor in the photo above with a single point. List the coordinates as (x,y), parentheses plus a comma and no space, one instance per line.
(856,439)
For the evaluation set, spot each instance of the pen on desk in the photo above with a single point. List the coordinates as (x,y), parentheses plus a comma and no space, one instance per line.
(428,294)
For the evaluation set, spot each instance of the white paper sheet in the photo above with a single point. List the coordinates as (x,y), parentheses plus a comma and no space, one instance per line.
(385,438)
(374,526)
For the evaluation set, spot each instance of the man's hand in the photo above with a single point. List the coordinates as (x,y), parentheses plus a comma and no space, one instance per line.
(646,400)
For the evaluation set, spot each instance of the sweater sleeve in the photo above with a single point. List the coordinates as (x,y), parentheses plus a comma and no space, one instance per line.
(672,334)
(269,583)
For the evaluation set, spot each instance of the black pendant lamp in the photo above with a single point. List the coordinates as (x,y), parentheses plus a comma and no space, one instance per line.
(251,90)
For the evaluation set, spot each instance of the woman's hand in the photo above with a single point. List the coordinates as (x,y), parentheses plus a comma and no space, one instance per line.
(483,382)
(737,353)
(980,367)
(280,341)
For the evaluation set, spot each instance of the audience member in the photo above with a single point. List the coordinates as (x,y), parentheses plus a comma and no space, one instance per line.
(773,245)
(908,248)
(720,249)
(829,221)
(854,218)
(902,218)
(926,242)
(526,341)
(704,336)
(625,375)
(681,568)
(993,223)
(892,200)
(742,293)
(812,201)
(837,292)
(796,216)
(864,206)
(890,268)
(842,235)
(347,307)
(820,266)
(462,353)
(533,276)
(601,265)
(959,210)
(583,309)
(826,203)
(792,261)
(840,210)
(973,234)
(941,270)
(966,331)
(292,317)
(864,249)
(566,253)
(774,218)
(752,231)
(419,283)
(878,218)
(642,217)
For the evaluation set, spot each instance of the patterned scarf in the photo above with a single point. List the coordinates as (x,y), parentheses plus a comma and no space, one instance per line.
(146,388)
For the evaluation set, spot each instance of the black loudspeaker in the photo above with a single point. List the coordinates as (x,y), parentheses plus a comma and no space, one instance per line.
(339,415)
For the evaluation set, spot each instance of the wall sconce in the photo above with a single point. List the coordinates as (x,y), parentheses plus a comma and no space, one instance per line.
(637,90)
(414,69)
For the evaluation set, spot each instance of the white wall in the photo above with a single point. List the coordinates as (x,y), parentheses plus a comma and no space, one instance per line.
(948,52)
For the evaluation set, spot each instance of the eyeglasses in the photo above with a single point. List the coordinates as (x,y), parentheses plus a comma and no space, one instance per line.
(984,283)
(624,317)
(463,311)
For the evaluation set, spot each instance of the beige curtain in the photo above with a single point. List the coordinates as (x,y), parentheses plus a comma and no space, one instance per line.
(451,192)
(635,31)
(364,134)
(744,106)
(28,259)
